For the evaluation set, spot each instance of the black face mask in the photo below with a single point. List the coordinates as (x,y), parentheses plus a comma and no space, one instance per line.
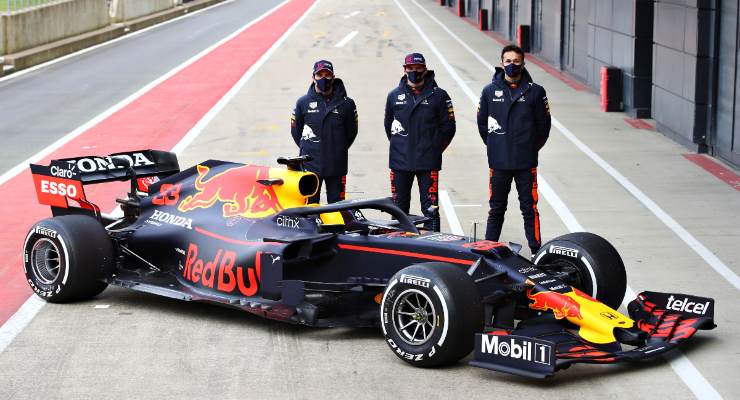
(324,84)
(415,76)
(513,70)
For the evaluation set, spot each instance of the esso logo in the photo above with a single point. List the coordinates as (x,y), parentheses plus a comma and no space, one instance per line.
(59,189)
(61,172)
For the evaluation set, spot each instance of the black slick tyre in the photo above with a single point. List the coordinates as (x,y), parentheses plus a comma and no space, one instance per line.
(66,258)
(595,265)
(430,314)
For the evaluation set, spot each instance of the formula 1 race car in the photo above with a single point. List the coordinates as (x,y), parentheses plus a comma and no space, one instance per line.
(244,236)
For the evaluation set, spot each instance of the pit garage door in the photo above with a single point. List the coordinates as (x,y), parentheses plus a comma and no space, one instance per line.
(726,136)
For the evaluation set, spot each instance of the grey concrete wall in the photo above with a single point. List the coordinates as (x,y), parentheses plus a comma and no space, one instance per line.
(41,25)
(620,32)
(726,135)
(125,10)
(501,18)
(2,40)
(682,66)
(550,37)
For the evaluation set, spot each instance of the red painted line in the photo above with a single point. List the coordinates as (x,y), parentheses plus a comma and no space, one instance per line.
(557,73)
(406,254)
(158,120)
(715,169)
(639,124)
(232,241)
(560,75)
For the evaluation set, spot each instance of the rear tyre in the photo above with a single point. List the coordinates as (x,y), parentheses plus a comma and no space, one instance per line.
(66,258)
(430,314)
(593,264)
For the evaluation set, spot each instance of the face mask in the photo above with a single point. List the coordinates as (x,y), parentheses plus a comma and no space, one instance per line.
(513,70)
(324,84)
(415,76)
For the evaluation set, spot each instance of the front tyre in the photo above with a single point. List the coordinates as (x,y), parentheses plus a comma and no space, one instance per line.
(66,258)
(430,313)
(591,263)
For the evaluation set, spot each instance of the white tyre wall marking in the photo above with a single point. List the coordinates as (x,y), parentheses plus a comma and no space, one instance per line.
(66,259)
(25,246)
(382,305)
(444,313)
(540,257)
(593,276)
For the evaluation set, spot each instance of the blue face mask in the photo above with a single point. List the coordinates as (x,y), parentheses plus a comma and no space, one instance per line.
(324,84)
(513,70)
(415,76)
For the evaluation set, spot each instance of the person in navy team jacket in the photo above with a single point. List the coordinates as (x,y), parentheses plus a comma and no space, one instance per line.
(324,126)
(420,124)
(514,123)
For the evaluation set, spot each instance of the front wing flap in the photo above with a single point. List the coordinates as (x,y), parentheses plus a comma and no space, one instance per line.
(541,346)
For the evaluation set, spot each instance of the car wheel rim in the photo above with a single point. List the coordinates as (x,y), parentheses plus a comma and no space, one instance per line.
(414,317)
(45,261)
(570,273)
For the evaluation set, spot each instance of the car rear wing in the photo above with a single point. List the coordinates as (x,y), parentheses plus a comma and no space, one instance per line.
(64,179)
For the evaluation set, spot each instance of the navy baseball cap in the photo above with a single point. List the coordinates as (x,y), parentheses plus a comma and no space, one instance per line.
(321,65)
(414,58)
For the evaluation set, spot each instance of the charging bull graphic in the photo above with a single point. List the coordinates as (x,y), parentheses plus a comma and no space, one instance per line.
(238,189)
(561,305)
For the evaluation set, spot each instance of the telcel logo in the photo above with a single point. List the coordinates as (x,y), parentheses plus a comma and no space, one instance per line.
(687,306)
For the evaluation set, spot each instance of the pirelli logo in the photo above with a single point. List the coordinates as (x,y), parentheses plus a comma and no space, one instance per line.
(415,280)
(564,251)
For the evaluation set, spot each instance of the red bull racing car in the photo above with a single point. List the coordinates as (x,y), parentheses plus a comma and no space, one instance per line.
(243,236)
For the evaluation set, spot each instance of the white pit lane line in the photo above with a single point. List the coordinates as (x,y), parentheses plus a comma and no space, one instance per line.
(15,324)
(346,39)
(703,252)
(683,367)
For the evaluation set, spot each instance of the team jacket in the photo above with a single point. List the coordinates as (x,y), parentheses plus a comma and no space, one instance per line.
(419,127)
(513,123)
(325,129)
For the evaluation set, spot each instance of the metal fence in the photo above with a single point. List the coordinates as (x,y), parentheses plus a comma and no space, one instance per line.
(17,5)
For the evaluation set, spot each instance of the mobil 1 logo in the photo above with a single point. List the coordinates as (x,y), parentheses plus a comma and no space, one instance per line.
(512,353)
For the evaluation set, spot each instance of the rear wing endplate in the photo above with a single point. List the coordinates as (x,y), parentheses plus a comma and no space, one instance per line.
(64,179)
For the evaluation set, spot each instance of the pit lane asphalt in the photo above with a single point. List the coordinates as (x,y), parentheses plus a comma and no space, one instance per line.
(39,107)
(144,346)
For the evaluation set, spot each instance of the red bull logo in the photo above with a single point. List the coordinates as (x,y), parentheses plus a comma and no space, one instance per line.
(561,305)
(221,272)
(237,189)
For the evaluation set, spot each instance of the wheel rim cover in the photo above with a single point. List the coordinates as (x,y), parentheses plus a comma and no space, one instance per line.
(414,317)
